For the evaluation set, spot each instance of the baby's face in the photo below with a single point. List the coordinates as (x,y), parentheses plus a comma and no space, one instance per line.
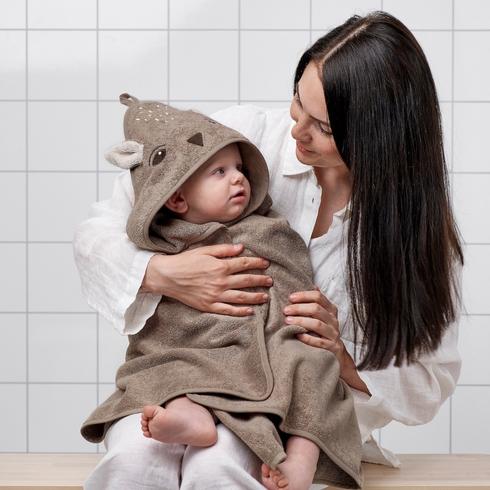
(218,191)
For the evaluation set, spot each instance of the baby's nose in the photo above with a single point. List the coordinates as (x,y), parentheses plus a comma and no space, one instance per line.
(237,176)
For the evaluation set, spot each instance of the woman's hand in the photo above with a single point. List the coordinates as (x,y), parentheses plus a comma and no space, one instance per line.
(205,279)
(314,312)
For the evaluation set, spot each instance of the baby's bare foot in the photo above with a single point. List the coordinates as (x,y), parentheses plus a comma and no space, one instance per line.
(181,422)
(272,479)
(297,471)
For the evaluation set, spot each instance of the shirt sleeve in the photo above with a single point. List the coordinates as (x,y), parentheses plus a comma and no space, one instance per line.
(110,266)
(410,394)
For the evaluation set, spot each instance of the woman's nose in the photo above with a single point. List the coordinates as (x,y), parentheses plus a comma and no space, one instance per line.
(300,130)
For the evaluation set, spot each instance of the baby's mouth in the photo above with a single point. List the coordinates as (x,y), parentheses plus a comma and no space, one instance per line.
(240,193)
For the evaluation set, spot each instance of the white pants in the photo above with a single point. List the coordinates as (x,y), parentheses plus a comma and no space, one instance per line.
(134,462)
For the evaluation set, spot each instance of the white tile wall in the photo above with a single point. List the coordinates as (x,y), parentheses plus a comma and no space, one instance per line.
(471,122)
(437,49)
(12,65)
(470,427)
(133,14)
(326,14)
(62,14)
(13,361)
(12,14)
(13,135)
(67,142)
(56,412)
(472,66)
(275,14)
(53,215)
(474,339)
(274,55)
(472,203)
(213,53)
(62,64)
(13,283)
(437,14)
(471,14)
(13,207)
(76,362)
(133,62)
(13,425)
(63,113)
(54,285)
(112,350)
(475,279)
(204,14)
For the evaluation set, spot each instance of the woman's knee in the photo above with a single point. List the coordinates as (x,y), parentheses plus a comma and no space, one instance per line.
(133,461)
(227,464)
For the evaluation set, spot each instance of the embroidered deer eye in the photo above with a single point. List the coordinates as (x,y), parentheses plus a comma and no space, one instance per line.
(158,156)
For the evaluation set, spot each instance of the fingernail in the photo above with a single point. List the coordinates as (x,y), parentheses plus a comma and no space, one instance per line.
(287,310)
(266,262)
(265,297)
(250,311)
(269,281)
(289,319)
(292,296)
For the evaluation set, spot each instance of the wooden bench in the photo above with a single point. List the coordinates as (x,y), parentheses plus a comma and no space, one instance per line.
(419,471)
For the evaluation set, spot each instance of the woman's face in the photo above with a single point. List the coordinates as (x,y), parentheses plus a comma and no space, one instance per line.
(315,145)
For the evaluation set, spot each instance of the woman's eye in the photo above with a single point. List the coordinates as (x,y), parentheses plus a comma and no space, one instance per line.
(325,129)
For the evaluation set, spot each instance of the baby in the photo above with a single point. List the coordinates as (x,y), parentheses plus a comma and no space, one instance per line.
(219,191)
(199,183)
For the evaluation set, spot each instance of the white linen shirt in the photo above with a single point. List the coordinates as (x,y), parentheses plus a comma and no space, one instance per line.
(112,268)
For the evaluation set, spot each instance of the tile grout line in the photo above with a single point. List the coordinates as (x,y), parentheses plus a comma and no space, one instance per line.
(32,312)
(97,189)
(460,385)
(168,52)
(452,188)
(68,242)
(276,101)
(239,34)
(27,217)
(311,20)
(211,29)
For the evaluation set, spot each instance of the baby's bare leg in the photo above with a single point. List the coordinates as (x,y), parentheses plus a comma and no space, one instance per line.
(298,470)
(181,421)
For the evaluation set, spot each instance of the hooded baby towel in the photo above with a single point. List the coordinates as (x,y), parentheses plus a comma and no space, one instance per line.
(252,373)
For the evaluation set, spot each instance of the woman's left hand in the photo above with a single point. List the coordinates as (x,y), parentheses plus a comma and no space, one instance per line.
(314,312)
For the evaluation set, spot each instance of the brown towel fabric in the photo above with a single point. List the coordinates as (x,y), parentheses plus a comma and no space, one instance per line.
(252,372)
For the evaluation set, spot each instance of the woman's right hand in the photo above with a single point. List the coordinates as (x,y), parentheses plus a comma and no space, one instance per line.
(206,280)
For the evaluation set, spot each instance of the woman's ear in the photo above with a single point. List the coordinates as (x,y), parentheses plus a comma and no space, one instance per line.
(177,202)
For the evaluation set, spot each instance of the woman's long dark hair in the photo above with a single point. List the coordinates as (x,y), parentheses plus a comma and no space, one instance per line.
(403,243)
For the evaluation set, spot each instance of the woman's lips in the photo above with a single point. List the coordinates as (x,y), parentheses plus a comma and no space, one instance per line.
(302,149)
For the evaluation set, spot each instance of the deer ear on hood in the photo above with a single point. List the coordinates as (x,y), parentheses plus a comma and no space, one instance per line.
(127,154)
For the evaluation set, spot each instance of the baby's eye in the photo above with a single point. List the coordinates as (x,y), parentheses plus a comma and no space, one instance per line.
(220,171)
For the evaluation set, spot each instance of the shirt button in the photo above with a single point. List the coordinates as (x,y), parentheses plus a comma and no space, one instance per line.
(312,199)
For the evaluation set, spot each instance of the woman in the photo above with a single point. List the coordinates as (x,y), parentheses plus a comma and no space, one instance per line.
(360,174)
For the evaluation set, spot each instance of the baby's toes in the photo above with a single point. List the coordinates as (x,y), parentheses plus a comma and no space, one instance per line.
(265,469)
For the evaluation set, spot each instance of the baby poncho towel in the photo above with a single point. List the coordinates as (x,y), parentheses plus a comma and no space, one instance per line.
(252,373)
